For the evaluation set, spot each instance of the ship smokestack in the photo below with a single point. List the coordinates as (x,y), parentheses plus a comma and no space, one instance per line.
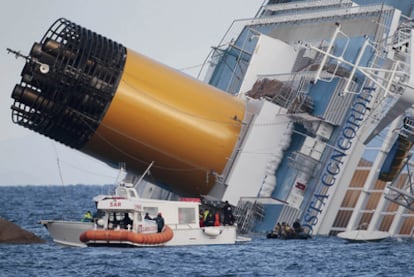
(95,95)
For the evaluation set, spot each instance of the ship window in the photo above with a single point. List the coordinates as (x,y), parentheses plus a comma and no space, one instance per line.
(119,216)
(152,211)
(122,192)
(132,194)
(114,219)
(186,215)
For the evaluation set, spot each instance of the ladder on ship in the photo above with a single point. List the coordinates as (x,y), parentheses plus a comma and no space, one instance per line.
(247,213)
(401,189)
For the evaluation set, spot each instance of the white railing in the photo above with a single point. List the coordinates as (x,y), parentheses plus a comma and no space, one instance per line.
(308,4)
(319,15)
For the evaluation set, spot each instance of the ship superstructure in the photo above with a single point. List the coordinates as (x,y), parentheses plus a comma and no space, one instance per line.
(334,68)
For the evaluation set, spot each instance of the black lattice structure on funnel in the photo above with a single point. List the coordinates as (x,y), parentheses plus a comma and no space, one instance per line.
(68,83)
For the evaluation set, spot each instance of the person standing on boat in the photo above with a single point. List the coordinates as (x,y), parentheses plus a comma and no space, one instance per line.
(297,227)
(87,217)
(287,231)
(217,219)
(147,216)
(209,220)
(228,214)
(277,230)
(160,222)
(205,214)
(201,218)
(127,222)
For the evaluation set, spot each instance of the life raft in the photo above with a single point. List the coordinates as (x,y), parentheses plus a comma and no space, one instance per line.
(291,236)
(127,236)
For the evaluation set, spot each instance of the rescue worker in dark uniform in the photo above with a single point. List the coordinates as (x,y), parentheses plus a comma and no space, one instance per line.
(160,222)
(228,214)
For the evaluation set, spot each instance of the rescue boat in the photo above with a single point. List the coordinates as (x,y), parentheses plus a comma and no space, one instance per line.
(127,220)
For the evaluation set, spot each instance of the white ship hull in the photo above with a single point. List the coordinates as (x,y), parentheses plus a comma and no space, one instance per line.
(363,236)
(67,232)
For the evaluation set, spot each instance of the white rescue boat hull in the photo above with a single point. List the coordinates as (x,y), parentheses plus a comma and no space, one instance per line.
(363,236)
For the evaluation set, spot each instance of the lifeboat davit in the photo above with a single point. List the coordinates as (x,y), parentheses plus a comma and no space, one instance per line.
(395,159)
(127,236)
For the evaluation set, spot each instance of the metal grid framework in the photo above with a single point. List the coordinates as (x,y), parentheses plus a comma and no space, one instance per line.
(68,82)
(401,190)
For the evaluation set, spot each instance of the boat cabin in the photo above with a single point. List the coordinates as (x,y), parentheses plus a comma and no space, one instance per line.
(129,213)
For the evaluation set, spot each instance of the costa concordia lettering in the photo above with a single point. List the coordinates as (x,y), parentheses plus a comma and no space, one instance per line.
(305,112)
(335,161)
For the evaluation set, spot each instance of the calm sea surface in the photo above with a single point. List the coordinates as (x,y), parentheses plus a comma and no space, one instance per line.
(321,256)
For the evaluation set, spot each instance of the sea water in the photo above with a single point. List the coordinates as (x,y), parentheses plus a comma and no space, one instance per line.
(320,256)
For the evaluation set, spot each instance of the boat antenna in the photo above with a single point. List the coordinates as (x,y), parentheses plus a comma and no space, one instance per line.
(44,68)
(58,164)
(18,54)
(147,171)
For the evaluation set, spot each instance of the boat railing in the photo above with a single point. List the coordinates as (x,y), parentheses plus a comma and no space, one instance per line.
(303,6)
(177,226)
(293,93)
(319,15)
(232,35)
(247,212)
(303,162)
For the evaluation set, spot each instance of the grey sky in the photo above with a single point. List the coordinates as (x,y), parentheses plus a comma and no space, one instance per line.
(177,33)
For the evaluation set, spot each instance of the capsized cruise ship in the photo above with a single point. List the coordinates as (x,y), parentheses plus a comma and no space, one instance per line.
(304,112)
(335,84)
